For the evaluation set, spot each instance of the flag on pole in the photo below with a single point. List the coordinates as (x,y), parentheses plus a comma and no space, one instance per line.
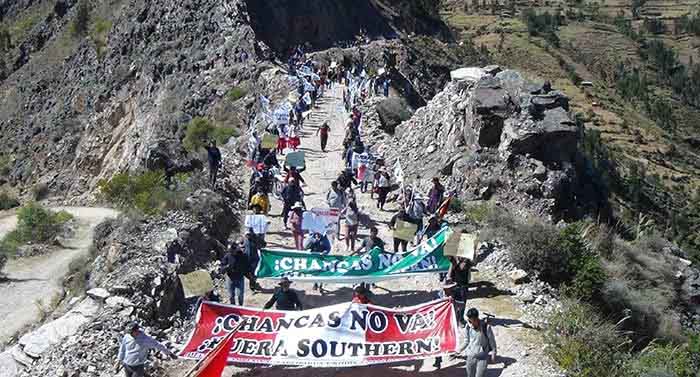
(445,206)
(214,363)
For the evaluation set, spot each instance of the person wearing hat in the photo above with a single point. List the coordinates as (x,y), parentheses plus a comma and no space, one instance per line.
(291,195)
(383,188)
(479,345)
(296,218)
(134,348)
(284,298)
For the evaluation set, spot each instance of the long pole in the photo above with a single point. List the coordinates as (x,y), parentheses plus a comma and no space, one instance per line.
(199,363)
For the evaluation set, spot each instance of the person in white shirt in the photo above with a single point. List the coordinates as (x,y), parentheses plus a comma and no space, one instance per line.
(134,348)
(479,345)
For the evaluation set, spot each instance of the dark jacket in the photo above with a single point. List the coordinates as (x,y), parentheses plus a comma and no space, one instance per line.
(235,266)
(292,194)
(288,300)
(214,155)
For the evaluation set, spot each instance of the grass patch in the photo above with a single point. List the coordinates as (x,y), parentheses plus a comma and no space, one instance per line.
(99,33)
(200,130)
(8,201)
(236,93)
(147,193)
(35,224)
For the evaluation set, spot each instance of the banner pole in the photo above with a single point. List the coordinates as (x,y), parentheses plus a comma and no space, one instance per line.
(196,366)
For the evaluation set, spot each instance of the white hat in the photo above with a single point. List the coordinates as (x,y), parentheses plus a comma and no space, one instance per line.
(297,205)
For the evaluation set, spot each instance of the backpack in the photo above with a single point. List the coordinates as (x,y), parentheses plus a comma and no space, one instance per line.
(484,324)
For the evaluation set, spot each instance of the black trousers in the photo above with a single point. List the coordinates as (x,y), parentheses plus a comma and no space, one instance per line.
(400,243)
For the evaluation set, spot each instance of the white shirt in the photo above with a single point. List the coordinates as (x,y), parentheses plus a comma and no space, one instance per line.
(134,351)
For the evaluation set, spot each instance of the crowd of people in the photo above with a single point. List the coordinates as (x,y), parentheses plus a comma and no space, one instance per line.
(363,171)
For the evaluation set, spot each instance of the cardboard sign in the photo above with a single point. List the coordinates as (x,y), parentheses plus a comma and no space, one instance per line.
(461,245)
(405,230)
(196,283)
(269,141)
(295,159)
(259,223)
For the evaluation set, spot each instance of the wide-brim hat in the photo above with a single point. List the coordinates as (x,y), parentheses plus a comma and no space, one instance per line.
(297,205)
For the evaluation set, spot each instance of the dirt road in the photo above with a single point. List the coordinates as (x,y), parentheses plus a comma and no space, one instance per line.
(517,356)
(32,282)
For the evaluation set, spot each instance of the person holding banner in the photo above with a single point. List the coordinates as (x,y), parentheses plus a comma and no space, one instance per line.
(360,295)
(284,298)
(134,348)
(371,242)
(479,345)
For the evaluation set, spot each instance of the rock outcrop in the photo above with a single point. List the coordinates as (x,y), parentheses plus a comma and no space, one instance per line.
(493,136)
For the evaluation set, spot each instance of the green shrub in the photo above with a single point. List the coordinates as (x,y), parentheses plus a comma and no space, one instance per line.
(146,192)
(200,130)
(584,344)
(8,201)
(477,213)
(34,224)
(79,27)
(236,93)
(99,33)
(666,360)
(456,205)
(4,165)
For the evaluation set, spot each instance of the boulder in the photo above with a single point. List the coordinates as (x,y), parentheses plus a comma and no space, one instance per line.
(467,73)
(40,340)
(98,293)
(8,366)
(118,302)
(519,276)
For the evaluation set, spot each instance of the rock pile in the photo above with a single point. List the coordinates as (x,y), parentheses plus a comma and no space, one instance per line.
(498,136)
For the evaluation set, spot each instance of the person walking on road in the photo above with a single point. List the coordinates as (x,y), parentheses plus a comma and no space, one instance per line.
(134,348)
(336,199)
(351,218)
(214,156)
(435,195)
(324,130)
(383,188)
(296,219)
(284,298)
(479,345)
(290,195)
(236,266)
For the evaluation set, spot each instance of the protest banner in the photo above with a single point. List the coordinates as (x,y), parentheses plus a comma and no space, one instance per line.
(313,223)
(461,245)
(295,159)
(342,335)
(369,267)
(329,217)
(269,141)
(196,283)
(405,230)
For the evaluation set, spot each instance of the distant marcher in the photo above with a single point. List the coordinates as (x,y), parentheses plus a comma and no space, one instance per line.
(214,156)
(336,199)
(318,243)
(351,218)
(323,131)
(133,350)
(479,345)
(383,188)
(296,218)
(385,86)
(252,245)
(435,195)
(261,200)
(284,298)
(236,266)
(290,195)
(432,228)
(460,273)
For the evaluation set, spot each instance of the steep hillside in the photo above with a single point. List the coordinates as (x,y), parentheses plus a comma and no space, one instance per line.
(618,67)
